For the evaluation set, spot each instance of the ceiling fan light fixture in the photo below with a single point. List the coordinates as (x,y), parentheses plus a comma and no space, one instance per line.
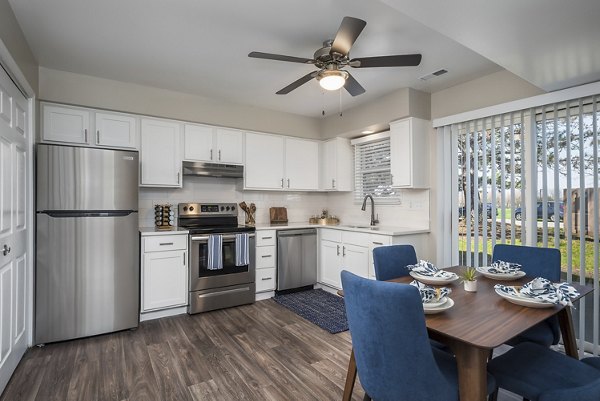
(332,80)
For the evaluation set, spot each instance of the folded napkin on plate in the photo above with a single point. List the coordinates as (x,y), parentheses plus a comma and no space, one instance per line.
(425,268)
(502,267)
(430,294)
(544,290)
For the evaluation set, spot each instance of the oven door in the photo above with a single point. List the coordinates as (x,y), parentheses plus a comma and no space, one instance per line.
(201,278)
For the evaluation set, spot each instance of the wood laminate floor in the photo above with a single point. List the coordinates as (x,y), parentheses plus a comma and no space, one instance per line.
(254,352)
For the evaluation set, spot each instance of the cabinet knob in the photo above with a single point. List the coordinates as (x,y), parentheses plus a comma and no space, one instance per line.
(5,250)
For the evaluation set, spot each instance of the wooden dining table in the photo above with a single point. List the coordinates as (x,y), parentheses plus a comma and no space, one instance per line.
(479,322)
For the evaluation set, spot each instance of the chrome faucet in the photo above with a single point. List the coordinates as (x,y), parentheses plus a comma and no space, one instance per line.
(364,206)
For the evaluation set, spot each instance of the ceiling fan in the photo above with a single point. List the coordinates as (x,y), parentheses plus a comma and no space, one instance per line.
(334,56)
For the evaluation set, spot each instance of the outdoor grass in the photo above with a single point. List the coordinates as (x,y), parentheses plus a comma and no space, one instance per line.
(575,246)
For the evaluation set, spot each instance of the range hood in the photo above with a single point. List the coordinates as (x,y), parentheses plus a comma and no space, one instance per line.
(212,169)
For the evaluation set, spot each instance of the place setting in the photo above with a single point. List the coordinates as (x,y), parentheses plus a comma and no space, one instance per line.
(538,293)
(428,273)
(435,300)
(500,270)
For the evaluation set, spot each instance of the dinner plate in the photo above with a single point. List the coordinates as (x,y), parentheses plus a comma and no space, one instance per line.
(447,305)
(499,276)
(434,280)
(524,301)
(429,305)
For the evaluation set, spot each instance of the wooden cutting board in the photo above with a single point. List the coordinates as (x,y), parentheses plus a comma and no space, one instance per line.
(278,215)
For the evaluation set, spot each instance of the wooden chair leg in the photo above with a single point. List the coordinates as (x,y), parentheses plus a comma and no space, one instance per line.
(367,397)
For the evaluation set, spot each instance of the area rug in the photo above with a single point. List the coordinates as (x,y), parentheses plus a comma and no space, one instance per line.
(320,307)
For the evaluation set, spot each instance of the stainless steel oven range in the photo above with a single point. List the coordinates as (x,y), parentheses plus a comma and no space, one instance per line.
(232,283)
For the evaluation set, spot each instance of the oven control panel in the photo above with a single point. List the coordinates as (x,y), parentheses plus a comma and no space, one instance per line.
(207,209)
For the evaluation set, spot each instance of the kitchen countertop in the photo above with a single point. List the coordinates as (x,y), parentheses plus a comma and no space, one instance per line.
(146,231)
(382,230)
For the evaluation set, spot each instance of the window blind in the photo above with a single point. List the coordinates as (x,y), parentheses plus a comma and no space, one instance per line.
(372,171)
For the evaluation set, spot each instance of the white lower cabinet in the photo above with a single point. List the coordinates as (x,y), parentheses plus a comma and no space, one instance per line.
(266,260)
(342,250)
(164,272)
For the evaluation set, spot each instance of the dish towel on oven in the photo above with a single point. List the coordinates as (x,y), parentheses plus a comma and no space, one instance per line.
(215,254)
(242,254)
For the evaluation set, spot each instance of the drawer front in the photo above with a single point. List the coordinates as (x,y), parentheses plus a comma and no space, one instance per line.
(331,235)
(380,240)
(265,280)
(159,243)
(265,257)
(360,239)
(265,238)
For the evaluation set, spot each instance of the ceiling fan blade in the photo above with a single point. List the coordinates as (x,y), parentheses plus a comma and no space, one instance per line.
(297,83)
(401,60)
(281,57)
(346,35)
(353,87)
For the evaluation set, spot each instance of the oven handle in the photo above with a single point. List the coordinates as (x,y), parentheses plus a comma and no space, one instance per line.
(205,237)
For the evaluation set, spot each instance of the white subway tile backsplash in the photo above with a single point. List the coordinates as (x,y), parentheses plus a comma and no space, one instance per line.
(412,212)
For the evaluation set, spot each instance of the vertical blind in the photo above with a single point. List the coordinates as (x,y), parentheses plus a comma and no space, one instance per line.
(372,171)
(530,177)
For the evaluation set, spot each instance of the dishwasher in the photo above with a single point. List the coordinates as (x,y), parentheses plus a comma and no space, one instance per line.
(296,258)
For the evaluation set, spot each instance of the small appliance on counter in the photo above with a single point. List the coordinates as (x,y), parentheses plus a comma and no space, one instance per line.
(278,215)
(164,217)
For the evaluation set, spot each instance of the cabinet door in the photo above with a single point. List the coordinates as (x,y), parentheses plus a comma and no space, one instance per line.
(65,124)
(356,259)
(164,280)
(328,163)
(329,263)
(230,146)
(264,161)
(160,157)
(401,154)
(198,140)
(301,164)
(115,130)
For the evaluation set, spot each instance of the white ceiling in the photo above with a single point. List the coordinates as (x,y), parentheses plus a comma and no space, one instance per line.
(201,47)
(554,44)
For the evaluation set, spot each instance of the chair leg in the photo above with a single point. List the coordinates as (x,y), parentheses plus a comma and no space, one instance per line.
(367,397)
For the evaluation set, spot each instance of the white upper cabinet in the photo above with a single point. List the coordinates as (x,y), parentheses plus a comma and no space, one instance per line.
(65,124)
(198,140)
(301,164)
(281,163)
(80,126)
(264,161)
(336,165)
(116,130)
(216,145)
(160,156)
(409,142)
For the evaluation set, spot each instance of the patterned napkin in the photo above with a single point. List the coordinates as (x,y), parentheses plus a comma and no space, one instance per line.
(425,268)
(543,290)
(502,267)
(430,294)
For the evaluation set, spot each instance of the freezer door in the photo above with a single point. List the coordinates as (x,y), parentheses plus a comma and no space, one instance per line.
(74,178)
(87,276)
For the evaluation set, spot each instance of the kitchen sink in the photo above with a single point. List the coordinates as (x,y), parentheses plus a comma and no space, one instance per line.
(364,227)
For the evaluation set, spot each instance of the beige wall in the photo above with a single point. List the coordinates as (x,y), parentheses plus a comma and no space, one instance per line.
(489,90)
(377,114)
(85,90)
(13,39)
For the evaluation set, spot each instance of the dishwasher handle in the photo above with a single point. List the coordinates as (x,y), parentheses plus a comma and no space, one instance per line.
(293,233)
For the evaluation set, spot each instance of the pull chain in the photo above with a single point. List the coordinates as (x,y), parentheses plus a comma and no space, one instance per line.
(341,114)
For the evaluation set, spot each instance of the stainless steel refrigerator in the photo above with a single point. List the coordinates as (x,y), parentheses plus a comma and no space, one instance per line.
(87,242)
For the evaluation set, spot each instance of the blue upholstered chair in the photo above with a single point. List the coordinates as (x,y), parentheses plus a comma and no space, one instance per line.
(391,261)
(540,374)
(393,357)
(535,262)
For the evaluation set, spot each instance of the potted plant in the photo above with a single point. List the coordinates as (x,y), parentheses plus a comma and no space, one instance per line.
(469,277)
